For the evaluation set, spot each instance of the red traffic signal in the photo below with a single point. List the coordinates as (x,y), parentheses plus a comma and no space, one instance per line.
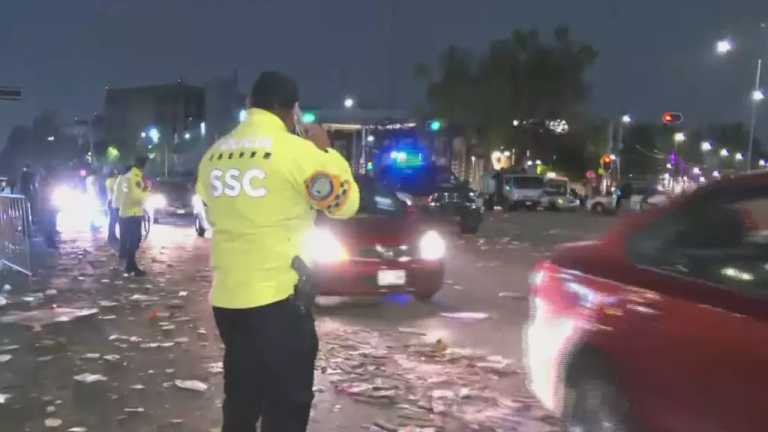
(671,118)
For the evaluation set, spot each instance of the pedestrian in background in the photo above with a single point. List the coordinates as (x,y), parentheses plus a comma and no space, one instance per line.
(112,210)
(261,186)
(28,188)
(47,210)
(131,195)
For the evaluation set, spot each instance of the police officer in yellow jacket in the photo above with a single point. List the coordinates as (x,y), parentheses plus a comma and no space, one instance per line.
(131,193)
(262,186)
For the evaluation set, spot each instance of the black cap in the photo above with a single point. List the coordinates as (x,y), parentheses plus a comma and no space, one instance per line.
(274,90)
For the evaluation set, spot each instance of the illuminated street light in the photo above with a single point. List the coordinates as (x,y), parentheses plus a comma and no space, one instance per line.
(515,122)
(51,138)
(187,136)
(349,102)
(696,170)
(538,162)
(626,119)
(507,153)
(723,46)
(370,138)
(757,95)
(738,157)
(679,137)
(242,115)
(706,146)
(202,128)
(715,173)
(724,153)
(143,134)
(761,163)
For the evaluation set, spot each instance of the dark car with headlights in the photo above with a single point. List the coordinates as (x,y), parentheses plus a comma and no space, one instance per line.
(170,197)
(388,247)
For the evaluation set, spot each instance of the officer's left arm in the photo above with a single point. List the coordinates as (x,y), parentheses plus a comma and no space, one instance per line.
(347,199)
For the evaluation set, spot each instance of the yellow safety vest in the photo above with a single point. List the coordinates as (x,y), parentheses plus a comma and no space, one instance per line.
(254,184)
(131,193)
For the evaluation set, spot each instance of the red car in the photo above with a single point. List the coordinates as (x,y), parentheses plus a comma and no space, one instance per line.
(386,248)
(663,324)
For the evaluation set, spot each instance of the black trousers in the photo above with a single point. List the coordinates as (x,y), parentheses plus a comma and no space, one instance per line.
(114,216)
(269,363)
(130,239)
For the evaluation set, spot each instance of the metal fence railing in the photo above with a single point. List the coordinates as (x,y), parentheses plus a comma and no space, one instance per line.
(15,232)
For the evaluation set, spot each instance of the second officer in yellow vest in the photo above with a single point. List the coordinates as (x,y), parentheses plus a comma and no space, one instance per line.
(131,194)
(262,186)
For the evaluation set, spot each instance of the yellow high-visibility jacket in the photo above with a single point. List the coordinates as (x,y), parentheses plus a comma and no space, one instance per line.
(131,193)
(110,186)
(255,183)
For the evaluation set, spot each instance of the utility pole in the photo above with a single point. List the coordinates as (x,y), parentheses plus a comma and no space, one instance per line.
(755,101)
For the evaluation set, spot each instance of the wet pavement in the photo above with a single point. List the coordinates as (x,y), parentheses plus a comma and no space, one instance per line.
(145,355)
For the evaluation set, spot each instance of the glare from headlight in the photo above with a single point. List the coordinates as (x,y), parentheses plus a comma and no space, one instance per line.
(64,196)
(432,246)
(156,201)
(321,246)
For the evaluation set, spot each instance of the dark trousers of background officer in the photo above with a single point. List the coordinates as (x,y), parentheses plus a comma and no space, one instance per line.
(269,366)
(114,216)
(130,238)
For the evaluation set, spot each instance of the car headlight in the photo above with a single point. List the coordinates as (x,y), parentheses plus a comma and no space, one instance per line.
(321,246)
(64,196)
(432,246)
(156,201)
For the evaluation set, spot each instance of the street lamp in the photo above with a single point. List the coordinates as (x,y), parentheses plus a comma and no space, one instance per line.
(761,163)
(143,134)
(349,102)
(724,153)
(626,119)
(706,146)
(679,137)
(738,157)
(723,46)
(370,138)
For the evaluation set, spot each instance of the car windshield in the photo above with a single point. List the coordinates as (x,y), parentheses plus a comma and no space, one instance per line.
(526,182)
(556,187)
(378,200)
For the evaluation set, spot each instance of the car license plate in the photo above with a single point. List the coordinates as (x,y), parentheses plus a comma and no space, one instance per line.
(391,277)
(181,211)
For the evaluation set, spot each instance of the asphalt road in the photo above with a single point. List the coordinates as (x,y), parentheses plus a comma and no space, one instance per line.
(162,331)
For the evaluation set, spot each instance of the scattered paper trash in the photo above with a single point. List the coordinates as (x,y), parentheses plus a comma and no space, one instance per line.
(77,429)
(51,292)
(4,348)
(191,385)
(5,357)
(91,356)
(7,287)
(89,378)
(3,301)
(513,294)
(409,330)
(41,317)
(4,397)
(465,315)
(53,422)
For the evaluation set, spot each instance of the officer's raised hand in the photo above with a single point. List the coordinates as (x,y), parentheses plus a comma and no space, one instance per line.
(317,135)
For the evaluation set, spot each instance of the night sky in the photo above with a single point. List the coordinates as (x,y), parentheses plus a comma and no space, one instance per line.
(654,55)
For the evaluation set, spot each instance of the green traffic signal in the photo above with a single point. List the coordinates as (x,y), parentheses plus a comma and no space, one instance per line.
(308,117)
(435,125)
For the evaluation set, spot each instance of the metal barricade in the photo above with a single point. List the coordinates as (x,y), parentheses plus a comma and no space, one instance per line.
(15,232)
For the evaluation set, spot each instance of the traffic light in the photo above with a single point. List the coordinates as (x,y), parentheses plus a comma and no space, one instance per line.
(605,162)
(435,125)
(672,118)
(308,117)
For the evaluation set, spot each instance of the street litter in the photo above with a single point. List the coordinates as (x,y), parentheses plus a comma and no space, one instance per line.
(91,356)
(53,422)
(77,429)
(183,293)
(513,294)
(4,348)
(50,409)
(191,385)
(5,357)
(216,368)
(413,331)
(41,317)
(89,378)
(51,292)
(143,298)
(465,315)
(4,397)
(134,410)
(112,357)
(137,387)
(3,301)
(7,288)
(106,303)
